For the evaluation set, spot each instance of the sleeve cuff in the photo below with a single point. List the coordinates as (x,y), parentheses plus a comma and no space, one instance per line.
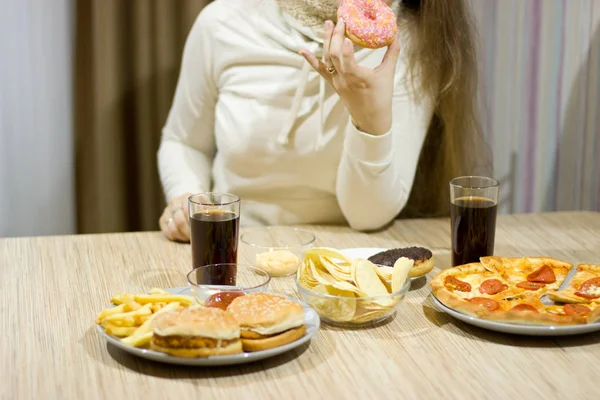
(368,148)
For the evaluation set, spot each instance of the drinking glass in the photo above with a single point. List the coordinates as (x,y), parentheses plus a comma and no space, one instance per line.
(214,231)
(473,210)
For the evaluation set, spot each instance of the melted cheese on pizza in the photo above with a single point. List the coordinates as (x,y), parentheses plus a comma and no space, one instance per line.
(475,281)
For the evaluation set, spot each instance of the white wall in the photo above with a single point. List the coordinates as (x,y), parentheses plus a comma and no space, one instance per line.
(36,146)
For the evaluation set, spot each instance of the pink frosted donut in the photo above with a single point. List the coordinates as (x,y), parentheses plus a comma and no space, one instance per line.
(369,23)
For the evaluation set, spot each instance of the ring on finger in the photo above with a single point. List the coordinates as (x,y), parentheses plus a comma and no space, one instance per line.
(331,70)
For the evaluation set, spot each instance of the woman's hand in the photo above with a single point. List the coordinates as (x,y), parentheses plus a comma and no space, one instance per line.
(366,92)
(175,221)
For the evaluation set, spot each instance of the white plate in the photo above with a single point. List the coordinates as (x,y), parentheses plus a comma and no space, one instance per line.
(518,329)
(311,319)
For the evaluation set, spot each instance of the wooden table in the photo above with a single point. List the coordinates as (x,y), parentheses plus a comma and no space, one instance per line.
(53,287)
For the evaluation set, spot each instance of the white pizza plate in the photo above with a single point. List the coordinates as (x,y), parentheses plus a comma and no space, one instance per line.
(311,319)
(365,252)
(518,329)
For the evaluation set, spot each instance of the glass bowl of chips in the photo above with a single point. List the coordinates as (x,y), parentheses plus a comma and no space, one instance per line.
(276,249)
(351,293)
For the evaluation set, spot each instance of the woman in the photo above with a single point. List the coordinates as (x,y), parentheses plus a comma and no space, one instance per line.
(275,105)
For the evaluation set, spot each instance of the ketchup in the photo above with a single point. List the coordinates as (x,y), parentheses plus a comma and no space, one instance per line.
(222,299)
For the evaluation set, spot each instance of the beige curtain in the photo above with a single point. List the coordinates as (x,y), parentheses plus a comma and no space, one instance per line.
(127,57)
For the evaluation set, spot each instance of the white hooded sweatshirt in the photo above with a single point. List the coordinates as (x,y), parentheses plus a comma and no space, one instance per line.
(251,117)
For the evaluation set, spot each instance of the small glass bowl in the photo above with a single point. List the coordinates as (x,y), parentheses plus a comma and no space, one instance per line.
(353,312)
(279,250)
(214,278)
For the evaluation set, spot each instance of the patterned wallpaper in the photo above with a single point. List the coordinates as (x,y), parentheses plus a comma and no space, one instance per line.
(540,92)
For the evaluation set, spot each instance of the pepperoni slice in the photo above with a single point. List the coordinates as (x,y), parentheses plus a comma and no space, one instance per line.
(488,304)
(576,309)
(492,286)
(530,285)
(457,284)
(543,274)
(587,286)
(524,307)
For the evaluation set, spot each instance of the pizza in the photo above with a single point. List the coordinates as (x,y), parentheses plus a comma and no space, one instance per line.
(583,288)
(529,274)
(510,289)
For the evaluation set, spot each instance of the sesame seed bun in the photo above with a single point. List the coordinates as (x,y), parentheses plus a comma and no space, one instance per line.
(196,332)
(266,313)
(203,322)
(272,342)
(267,320)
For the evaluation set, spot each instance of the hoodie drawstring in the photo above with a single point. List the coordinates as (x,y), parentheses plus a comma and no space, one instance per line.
(288,125)
(286,129)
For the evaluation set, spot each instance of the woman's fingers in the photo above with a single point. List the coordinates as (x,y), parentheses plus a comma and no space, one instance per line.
(317,64)
(182,224)
(174,221)
(185,205)
(390,59)
(167,226)
(348,61)
(327,42)
(336,46)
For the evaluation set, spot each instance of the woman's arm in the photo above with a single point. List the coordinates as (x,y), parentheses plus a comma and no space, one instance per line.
(188,145)
(376,173)
(389,124)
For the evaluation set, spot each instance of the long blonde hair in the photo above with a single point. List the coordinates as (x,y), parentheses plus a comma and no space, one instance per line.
(443,64)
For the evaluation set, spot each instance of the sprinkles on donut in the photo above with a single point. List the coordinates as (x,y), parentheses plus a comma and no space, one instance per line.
(369,23)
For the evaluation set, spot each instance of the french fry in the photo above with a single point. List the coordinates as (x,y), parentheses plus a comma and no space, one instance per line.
(157,306)
(140,340)
(143,334)
(129,318)
(117,299)
(163,298)
(119,331)
(157,291)
(130,303)
(110,311)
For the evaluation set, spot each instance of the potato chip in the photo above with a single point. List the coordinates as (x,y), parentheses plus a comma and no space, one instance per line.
(341,266)
(334,270)
(323,277)
(348,287)
(338,309)
(366,279)
(305,278)
(328,252)
(384,272)
(401,268)
(360,290)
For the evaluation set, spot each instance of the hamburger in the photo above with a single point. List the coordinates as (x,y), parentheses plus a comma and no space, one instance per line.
(267,320)
(195,332)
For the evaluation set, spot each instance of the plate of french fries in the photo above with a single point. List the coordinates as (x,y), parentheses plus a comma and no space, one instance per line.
(126,324)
